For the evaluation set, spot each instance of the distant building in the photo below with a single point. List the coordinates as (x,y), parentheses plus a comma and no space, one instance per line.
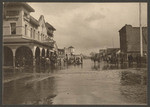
(70,50)
(103,52)
(61,53)
(111,51)
(108,51)
(24,37)
(130,40)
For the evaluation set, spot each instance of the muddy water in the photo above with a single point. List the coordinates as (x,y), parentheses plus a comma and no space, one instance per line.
(83,84)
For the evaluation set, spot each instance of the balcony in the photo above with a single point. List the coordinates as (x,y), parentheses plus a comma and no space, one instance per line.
(12,18)
(23,35)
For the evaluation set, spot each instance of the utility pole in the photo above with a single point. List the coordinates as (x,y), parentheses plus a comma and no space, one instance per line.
(113,42)
(141,39)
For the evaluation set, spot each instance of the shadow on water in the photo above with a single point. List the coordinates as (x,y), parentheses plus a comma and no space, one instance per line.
(107,66)
(102,66)
(114,66)
(133,78)
(133,86)
(95,67)
(31,89)
(37,69)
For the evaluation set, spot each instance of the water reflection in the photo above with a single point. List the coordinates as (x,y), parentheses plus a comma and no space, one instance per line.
(134,94)
(95,67)
(18,92)
(130,78)
(31,86)
(106,66)
(43,85)
(115,66)
(133,86)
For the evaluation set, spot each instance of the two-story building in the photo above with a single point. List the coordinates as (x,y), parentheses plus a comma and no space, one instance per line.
(130,40)
(70,51)
(25,39)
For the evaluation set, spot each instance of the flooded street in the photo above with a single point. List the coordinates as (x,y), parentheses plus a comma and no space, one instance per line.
(77,84)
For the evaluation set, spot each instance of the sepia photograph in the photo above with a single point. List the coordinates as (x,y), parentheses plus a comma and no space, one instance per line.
(74,53)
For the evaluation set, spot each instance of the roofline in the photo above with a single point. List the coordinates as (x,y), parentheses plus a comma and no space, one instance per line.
(131,26)
(34,20)
(24,4)
(29,7)
(70,47)
(50,26)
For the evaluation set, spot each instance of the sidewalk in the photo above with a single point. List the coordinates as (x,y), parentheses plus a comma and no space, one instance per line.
(15,76)
(9,76)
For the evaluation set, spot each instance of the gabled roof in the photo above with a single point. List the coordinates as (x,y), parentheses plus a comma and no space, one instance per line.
(62,50)
(71,47)
(34,21)
(24,4)
(42,21)
(124,27)
(49,26)
(112,50)
(41,17)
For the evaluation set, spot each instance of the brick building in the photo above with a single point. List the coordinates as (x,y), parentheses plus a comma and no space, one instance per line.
(130,40)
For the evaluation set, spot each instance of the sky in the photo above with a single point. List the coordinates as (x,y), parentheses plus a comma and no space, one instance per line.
(89,27)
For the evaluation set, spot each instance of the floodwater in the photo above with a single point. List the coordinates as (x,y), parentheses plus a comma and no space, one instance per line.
(90,83)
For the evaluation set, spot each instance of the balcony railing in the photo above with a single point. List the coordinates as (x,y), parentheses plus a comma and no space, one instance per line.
(20,30)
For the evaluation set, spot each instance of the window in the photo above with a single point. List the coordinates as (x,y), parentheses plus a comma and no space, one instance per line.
(25,14)
(34,34)
(13,28)
(41,36)
(25,29)
(38,35)
(31,33)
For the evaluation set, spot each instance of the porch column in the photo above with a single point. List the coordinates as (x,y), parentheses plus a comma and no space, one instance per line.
(45,52)
(33,52)
(14,57)
(34,60)
(40,59)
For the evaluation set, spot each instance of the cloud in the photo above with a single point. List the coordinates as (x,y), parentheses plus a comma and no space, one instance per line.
(95,16)
(89,26)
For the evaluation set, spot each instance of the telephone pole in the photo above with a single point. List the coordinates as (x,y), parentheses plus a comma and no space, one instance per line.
(141,39)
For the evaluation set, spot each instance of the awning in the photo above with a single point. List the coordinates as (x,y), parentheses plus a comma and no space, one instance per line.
(51,50)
